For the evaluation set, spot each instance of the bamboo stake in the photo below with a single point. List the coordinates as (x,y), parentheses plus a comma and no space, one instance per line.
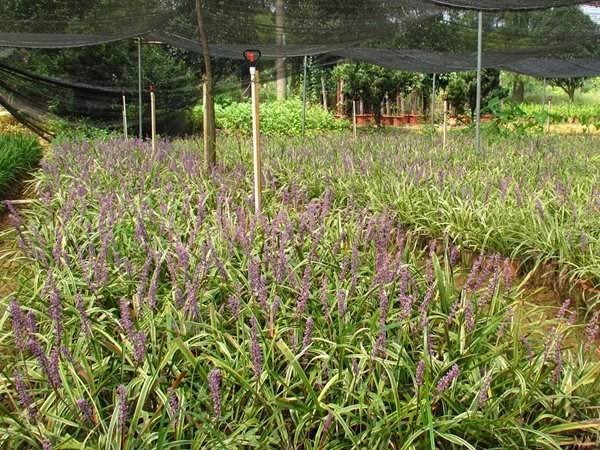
(548,115)
(125,116)
(153,113)
(445,122)
(254,80)
(354,118)
(324,92)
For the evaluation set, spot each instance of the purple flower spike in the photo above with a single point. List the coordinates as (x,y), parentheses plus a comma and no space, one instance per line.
(454,255)
(123,411)
(86,410)
(307,340)
(19,325)
(483,392)
(469,317)
(406,304)
(591,331)
(173,402)
(473,275)
(327,424)
(383,307)
(255,349)
(508,275)
(24,398)
(324,300)
(563,309)
(419,373)
(447,379)
(341,302)
(126,321)
(214,385)
(233,303)
(54,369)
(305,291)
(83,317)
(139,347)
(56,314)
(556,373)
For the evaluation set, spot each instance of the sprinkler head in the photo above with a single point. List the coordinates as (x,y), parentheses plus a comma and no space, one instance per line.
(252,57)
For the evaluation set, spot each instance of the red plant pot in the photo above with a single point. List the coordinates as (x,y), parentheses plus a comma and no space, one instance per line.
(413,119)
(365,119)
(387,120)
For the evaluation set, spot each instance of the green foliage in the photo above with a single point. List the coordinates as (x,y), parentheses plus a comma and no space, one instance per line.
(80,131)
(457,92)
(462,90)
(276,117)
(510,119)
(586,115)
(370,83)
(18,155)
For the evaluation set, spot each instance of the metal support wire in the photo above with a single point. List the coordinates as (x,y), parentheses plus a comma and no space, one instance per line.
(479,62)
(304,96)
(140,104)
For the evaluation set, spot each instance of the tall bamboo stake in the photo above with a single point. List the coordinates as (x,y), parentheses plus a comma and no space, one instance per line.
(445,122)
(153,114)
(254,80)
(354,119)
(433,102)
(304,95)
(124,116)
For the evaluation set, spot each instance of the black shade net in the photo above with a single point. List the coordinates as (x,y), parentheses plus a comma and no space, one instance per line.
(68,59)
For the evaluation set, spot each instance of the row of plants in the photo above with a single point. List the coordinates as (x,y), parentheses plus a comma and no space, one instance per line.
(19,154)
(586,115)
(276,118)
(156,310)
(536,200)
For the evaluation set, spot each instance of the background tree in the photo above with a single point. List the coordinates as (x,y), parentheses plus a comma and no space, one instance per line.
(568,85)
(370,83)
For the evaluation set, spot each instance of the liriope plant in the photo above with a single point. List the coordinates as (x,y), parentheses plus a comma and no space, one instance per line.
(154,309)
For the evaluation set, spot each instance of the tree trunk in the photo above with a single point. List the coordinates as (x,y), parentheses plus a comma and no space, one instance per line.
(377,114)
(518,93)
(210,128)
(571,93)
(280,62)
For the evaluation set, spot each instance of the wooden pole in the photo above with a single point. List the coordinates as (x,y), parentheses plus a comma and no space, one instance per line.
(342,99)
(445,123)
(354,118)
(433,102)
(548,115)
(324,92)
(304,87)
(153,113)
(280,40)
(204,109)
(124,116)
(254,80)
(210,127)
